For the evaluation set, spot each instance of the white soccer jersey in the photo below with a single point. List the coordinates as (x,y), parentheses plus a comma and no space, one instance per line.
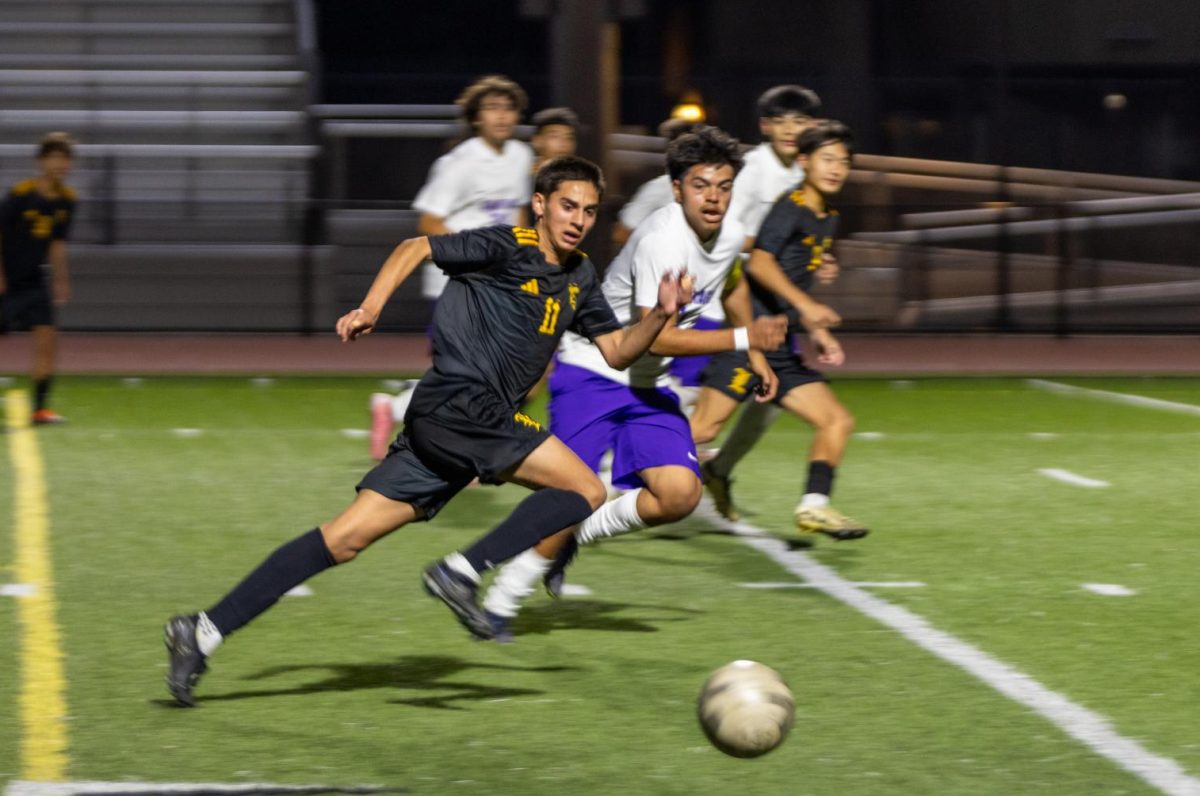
(652,195)
(474,186)
(663,242)
(762,180)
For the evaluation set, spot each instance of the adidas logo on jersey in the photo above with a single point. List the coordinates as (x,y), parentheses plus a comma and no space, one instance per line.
(531,287)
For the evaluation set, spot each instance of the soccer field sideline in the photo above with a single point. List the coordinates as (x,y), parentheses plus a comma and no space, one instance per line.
(1087,727)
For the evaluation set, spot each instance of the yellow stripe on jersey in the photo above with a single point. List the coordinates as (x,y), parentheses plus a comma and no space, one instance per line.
(525,236)
(797,197)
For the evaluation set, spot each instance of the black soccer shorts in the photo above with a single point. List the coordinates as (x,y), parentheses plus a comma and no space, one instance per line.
(729,373)
(23,308)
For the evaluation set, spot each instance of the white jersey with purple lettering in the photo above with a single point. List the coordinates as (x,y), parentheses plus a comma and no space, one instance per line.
(762,180)
(662,243)
(474,186)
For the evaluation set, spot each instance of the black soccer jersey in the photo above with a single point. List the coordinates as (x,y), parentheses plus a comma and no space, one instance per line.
(797,237)
(29,221)
(500,318)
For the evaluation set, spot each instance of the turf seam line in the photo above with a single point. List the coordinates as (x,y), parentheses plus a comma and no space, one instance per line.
(1084,725)
(42,704)
(1074,479)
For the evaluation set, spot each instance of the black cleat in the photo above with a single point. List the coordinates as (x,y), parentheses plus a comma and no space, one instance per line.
(187,662)
(556,577)
(459,595)
(501,628)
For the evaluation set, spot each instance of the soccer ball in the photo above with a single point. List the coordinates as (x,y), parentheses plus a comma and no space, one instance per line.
(746,709)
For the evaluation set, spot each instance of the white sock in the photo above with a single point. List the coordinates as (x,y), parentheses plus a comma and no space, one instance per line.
(208,638)
(613,518)
(515,581)
(753,422)
(401,401)
(814,500)
(458,562)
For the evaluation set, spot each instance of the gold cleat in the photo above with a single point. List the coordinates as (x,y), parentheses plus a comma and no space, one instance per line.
(829,521)
(718,487)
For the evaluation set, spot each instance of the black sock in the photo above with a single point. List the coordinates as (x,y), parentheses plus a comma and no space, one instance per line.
(542,514)
(820,478)
(41,389)
(290,565)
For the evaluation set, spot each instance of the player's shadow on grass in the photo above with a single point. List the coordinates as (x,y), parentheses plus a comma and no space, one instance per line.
(577,614)
(413,672)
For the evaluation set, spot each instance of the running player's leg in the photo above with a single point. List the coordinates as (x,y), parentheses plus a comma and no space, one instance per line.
(832,424)
(709,415)
(401,489)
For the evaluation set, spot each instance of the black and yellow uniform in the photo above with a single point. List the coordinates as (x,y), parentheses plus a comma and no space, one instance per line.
(29,222)
(796,237)
(495,328)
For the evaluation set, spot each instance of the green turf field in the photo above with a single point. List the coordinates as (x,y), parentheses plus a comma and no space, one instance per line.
(369,682)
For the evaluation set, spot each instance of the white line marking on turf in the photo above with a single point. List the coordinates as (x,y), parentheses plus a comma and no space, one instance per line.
(355,433)
(870,435)
(299,591)
(575,590)
(1043,435)
(1086,726)
(17,590)
(84,788)
(262,381)
(1110,589)
(133,381)
(862,584)
(1116,397)
(187,432)
(1068,477)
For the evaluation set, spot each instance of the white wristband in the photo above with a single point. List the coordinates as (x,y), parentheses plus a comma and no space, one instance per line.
(741,339)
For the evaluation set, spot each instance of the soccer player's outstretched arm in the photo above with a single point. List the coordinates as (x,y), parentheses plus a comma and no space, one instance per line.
(623,347)
(400,263)
(766,271)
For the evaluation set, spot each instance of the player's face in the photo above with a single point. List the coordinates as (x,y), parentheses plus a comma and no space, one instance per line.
(55,165)
(554,141)
(784,131)
(497,118)
(704,192)
(566,216)
(827,168)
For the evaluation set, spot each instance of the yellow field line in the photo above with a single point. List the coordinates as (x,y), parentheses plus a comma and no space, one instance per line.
(42,701)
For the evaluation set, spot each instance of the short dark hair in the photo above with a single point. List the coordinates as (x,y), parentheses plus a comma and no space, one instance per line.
(56,142)
(555,172)
(549,116)
(779,100)
(705,144)
(472,96)
(826,131)
(673,128)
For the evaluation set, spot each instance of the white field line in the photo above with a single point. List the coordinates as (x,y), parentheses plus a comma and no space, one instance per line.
(1074,479)
(84,788)
(862,584)
(1110,589)
(17,589)
(1085,726)
(1115,397)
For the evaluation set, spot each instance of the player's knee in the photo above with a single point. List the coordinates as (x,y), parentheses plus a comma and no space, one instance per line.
(704,430)
(679,499)
(593,492)
(343,544)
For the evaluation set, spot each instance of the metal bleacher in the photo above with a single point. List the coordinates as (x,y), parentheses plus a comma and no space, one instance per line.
(193,135)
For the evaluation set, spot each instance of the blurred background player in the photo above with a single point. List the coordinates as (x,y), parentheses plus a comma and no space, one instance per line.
(787,251)
(653,193)
(483,181)
(34,223)
(772,169)
(555,131)
(514,292)
(595,408)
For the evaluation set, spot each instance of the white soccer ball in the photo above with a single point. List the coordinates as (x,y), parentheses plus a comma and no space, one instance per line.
(746,709)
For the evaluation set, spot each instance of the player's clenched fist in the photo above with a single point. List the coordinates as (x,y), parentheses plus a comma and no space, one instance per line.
(675,291)
(768,332)
(354,324)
